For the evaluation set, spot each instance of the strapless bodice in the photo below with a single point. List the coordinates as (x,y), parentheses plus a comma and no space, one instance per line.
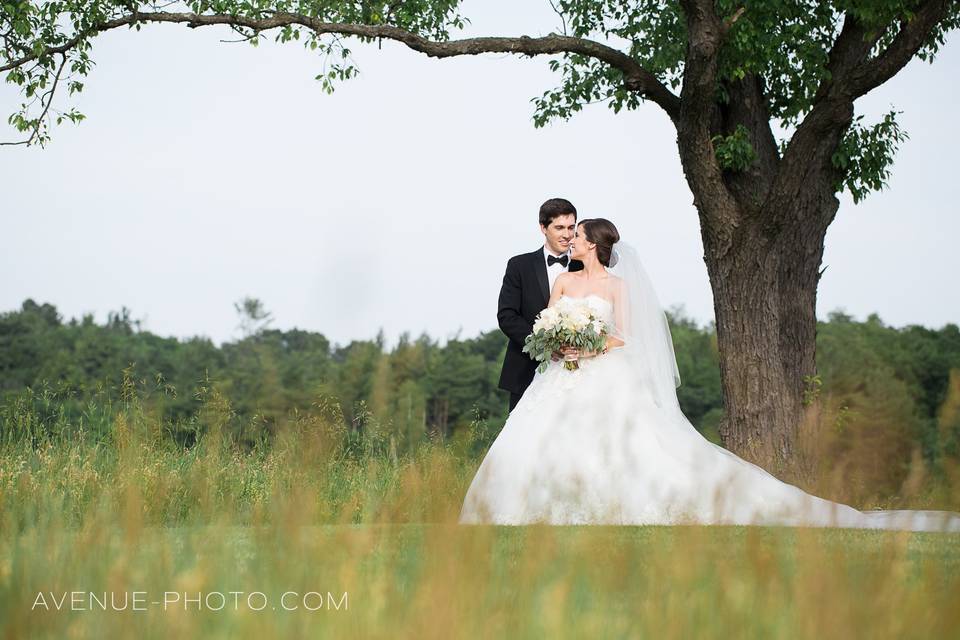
(599,304)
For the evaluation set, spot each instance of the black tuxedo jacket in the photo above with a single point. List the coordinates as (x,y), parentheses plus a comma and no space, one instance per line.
(524,294)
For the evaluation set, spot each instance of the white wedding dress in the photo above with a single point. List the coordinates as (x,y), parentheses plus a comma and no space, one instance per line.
(591,446)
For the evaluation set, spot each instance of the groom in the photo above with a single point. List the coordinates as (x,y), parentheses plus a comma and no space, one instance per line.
(526,291)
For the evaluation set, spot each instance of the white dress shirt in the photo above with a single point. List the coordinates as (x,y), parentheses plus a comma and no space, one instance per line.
(555,269)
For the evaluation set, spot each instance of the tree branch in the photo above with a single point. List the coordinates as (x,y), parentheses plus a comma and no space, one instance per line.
(705,32)
(48,95)
(831,103)
(913,34)
(851,75)
(635,77)
(849,50)
(698,107)
(748,107)
(730,21)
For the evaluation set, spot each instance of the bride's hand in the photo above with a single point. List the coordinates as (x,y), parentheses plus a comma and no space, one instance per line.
(594,354)
(558,355)
(580,355)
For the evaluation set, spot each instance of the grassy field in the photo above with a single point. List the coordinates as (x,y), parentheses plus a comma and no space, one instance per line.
(444,581)
(316,535)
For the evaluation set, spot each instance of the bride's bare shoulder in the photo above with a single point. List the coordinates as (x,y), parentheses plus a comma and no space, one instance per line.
(617,285)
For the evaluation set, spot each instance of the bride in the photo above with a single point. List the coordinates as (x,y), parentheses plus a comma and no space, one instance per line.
(607,443)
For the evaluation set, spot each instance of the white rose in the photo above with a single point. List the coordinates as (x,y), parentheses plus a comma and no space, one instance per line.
(553,317)
(579,318)
(547,320)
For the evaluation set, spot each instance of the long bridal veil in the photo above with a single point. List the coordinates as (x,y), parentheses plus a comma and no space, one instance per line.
(642,325)
(701,481)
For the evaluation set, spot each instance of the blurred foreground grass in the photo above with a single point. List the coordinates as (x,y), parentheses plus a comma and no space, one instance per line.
(364,543)
(441,581)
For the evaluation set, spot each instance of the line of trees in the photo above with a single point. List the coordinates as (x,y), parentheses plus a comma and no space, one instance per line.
(888,394)
(419,385)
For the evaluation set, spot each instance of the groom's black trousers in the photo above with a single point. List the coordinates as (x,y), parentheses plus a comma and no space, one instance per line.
(514,399)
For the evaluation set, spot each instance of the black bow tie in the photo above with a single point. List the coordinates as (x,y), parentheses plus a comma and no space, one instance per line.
(551,260)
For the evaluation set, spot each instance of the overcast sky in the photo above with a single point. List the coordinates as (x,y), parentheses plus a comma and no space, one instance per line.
(206,172)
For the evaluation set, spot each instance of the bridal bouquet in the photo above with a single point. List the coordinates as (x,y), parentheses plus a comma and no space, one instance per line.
(567,324)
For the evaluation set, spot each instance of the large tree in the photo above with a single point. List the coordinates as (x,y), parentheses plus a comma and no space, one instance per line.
(761,94)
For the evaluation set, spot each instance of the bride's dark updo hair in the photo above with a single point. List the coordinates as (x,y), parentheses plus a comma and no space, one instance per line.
(602,233)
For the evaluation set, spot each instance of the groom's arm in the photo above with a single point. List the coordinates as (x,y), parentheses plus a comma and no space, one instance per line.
(511,322)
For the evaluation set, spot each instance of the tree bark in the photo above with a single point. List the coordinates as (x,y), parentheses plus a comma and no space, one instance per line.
(764,280)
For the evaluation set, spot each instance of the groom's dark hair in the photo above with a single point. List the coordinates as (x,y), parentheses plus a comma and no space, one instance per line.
(556,207)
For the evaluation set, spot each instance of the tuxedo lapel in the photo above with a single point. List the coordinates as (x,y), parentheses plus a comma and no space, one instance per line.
(540,267)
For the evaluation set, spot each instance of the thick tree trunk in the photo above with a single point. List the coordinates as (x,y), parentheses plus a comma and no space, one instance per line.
(763,232)
(764,280)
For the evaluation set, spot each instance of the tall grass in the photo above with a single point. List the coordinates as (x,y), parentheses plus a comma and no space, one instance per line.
(110,504)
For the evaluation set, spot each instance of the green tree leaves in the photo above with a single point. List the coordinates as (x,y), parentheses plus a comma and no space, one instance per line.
(734,152)
(792,54)
(30,30)
(865,154)
(651,31)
